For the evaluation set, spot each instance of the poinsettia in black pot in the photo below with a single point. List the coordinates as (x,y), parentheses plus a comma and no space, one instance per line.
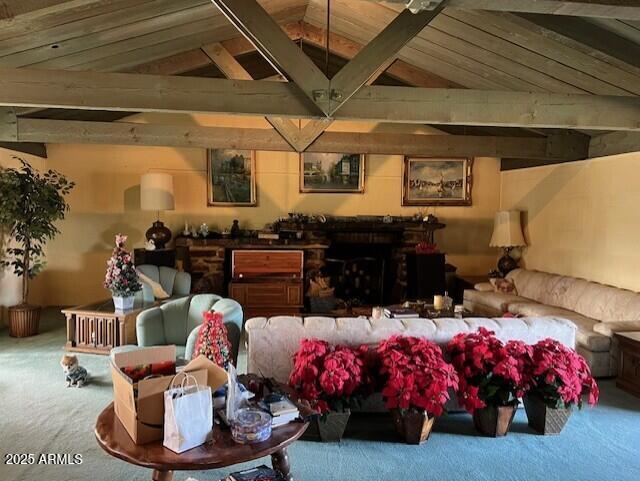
(492,375)
(559,378)
(330,379)
(416,387)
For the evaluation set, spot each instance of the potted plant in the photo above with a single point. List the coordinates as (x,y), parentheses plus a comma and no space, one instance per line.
(30,204)
(559,379)
(121,277)
(416,384)
(492,376)
(328,378)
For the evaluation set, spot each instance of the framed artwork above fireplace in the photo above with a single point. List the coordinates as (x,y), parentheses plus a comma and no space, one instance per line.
(231,177)
(330,172)
(437,181)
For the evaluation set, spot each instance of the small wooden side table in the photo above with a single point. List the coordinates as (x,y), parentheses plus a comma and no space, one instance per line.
(629,362)
(97,328)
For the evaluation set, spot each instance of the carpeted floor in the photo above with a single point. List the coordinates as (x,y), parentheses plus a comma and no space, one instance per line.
(38,414)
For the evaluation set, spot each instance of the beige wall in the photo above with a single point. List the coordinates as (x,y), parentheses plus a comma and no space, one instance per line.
(106,201)
(581,219)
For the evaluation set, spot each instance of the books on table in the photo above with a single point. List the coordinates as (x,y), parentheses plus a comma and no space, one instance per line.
(259,473)
(282,410)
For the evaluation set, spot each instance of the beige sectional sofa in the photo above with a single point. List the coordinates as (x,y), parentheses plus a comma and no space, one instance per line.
(596,309)
(273,341)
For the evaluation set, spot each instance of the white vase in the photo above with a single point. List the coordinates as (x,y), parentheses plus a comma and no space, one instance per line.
(123,303)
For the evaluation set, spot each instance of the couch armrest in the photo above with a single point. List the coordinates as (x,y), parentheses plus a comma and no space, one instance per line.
(484,287)
(150,327)
(182,284)
(609,328)
(191,343)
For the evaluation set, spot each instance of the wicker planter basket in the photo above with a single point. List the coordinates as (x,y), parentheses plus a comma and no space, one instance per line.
(494,421)
(24,320)
(328,428)
(413,425)
(544,419)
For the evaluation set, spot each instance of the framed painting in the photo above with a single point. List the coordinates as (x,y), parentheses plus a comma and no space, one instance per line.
(337,173)
(231,177)
(437,181)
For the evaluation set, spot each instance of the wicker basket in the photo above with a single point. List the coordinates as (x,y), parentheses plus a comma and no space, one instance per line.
(24,321)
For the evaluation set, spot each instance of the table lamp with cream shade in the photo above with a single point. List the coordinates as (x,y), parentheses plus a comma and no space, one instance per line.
(156,193)
(507,233)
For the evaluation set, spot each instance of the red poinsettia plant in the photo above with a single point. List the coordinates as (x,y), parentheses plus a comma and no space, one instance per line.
(415,374)
(329,377)
(490,372)
(560,376)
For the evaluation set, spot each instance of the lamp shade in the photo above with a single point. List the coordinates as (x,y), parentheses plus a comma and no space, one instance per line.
(156,192)
(507,230)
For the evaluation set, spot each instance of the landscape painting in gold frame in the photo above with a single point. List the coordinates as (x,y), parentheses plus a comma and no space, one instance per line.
(437,181)
(231,177)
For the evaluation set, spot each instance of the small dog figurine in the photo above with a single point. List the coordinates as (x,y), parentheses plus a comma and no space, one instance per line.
(75,374)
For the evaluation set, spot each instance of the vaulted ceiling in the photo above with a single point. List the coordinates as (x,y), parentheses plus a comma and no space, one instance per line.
(475,49)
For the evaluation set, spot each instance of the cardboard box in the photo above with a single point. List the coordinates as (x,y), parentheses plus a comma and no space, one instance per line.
(141,411)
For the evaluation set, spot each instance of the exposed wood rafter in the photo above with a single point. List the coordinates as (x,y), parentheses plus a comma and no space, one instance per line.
(627,9)
(379,53)
(122,133)
(614,143)
(275,45)
(232,69)
(135,92)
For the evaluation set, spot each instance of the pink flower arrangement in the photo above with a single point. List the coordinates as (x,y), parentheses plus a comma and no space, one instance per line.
(326,376)
(415,374)
(560,376)
(490,372)
(121,277)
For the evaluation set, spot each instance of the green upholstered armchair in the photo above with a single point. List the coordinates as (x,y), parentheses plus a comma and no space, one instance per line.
(177,322)
(175,283)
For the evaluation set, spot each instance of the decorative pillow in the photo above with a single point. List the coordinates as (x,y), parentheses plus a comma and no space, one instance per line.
(158,291)
(506,286)
(213,340)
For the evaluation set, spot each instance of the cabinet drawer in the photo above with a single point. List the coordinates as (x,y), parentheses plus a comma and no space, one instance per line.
(266,294)
(630,367)
(247,264)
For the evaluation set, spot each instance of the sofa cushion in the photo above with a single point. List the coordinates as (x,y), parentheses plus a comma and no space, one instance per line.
(585,335)
(609,328)
(174,314)
(496,300)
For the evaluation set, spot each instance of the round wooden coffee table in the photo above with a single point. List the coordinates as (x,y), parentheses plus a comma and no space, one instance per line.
(219,453)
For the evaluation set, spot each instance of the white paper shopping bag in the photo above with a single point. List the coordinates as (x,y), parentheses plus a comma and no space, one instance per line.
(188,415)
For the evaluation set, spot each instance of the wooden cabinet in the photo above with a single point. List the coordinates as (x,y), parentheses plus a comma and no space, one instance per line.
(629,362)
(267,283)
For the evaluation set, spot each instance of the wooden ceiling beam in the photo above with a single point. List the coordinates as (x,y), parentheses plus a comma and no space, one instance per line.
(587,33)
(122,133)
(135,92)
(277,48)
(623,9)
(230,67)
(378,53)
(614,143)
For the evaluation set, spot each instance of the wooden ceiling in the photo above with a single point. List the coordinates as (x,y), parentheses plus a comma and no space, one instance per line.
(473,49)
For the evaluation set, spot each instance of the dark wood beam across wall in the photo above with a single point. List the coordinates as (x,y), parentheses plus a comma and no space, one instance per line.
(32,148)
(123,133)
(153,93)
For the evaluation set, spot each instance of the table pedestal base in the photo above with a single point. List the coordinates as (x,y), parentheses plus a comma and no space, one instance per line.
(280,462)
(162,475)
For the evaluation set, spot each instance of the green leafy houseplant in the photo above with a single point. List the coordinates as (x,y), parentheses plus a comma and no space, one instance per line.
(30,204)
